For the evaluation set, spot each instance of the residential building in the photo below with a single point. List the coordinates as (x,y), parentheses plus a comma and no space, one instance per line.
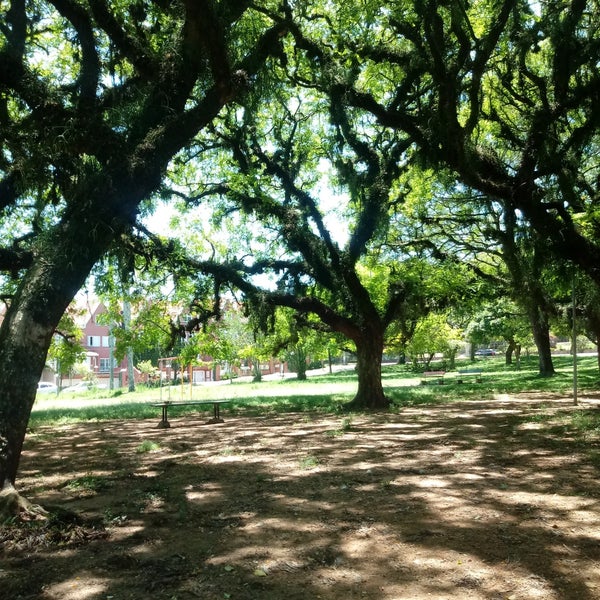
(98,344)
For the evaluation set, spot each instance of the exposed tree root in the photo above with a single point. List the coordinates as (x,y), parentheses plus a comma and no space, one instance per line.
(15,506)
(360,404)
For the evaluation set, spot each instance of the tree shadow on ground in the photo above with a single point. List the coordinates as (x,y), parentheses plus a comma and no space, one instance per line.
(478,499)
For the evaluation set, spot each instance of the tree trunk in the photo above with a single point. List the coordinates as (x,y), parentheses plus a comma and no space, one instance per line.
(508,355)
(428,361)
(541,337)
(42,297)
(452,359)
(23,344)
(257,378)
(300,355)
(61,266)
(369,349)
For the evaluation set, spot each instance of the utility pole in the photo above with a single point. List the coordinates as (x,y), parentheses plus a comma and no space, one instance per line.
(574,341)
(130,357)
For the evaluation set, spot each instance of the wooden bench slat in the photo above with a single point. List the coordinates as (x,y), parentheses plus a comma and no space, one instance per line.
(164,405)
(477,373)
(438,375)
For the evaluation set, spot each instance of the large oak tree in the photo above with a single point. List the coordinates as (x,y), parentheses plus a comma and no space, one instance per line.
(96,98)
(280,221)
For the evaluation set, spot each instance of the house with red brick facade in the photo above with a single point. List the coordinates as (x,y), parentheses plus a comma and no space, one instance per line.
(97,341)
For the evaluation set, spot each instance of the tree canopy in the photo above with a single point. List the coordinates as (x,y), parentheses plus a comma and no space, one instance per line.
(309,129)
(502,94)
(95,100)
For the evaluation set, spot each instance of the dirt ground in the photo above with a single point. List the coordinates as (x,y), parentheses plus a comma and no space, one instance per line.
(478,500)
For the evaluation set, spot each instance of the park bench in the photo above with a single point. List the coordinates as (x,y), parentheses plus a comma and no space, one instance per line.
(165,404)
(435,376)
(476,373)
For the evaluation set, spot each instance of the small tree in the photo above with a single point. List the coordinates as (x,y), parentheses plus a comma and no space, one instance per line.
(434,335)
(500,319)
(149,371)
(303,338)
(65,349)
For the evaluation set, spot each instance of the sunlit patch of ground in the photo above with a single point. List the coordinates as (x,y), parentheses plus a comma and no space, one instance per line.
(478,500)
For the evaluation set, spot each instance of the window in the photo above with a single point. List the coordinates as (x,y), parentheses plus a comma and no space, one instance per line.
(94,341)
(105,365)
(106,339)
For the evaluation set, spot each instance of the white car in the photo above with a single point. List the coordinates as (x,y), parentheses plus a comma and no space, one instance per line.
(486,352)
(45,387)
(83,386)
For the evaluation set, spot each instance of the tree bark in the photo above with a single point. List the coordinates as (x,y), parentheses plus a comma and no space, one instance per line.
(300,362)
(48,287)
(541,336)
(509,353)
(369,395)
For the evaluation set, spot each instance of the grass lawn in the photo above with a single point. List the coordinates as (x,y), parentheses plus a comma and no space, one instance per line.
(323,392)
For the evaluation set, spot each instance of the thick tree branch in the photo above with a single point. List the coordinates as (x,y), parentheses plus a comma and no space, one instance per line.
(128,46)
(13,260)
(90,64)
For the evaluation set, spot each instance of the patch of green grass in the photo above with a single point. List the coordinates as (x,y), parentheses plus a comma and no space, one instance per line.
(586,421)
(309,462)
(345,426)
(338,376)
(540,418)
(90,412)
(586,424)
(110,452)
(594,456)
(228,451)
(325,393)
(86,483)
(414,396)
(147,446)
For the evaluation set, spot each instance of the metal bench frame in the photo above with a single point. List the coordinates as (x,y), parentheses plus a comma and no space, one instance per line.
(216,404)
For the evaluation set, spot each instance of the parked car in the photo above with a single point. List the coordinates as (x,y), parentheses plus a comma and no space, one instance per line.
(82,386)
(45,387)
(486,352)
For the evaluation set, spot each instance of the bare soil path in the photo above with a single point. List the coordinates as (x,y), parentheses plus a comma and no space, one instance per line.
(480,500)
